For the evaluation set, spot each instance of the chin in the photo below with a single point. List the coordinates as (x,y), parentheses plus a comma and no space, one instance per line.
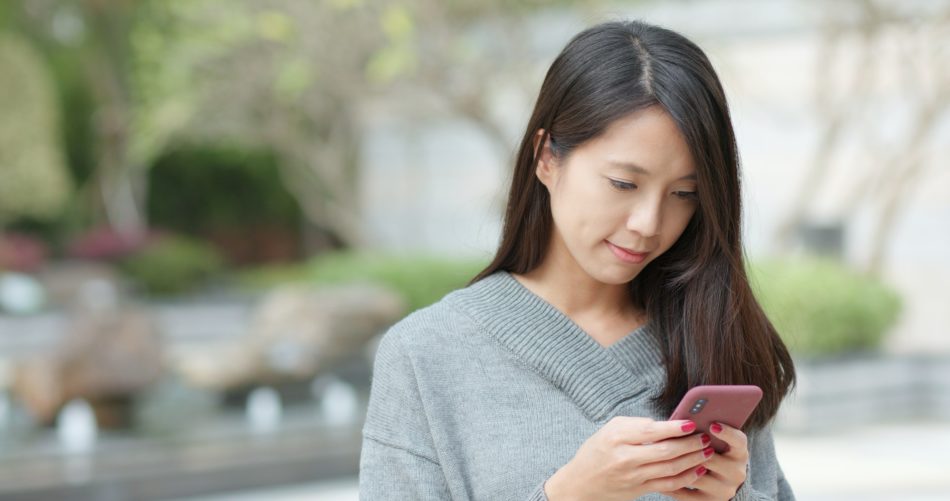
(615,276)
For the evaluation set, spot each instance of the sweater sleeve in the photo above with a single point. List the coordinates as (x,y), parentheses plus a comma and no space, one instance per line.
(765,481)
(398,459)
(389,472)
(538,493)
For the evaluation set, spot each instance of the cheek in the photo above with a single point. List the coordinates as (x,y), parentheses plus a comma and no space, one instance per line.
(594,216)
(679,220)
(579,209)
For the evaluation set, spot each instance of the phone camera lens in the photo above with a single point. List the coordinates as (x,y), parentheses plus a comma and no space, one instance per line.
(698,406)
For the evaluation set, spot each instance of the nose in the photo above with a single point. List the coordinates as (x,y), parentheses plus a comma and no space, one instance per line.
(645,218)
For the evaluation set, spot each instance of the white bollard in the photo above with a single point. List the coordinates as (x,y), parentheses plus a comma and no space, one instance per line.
(339,402)
(21,294)
(76,427)
(264,410)
(4,409)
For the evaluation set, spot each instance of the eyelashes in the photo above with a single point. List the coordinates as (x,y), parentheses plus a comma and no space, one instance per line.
(687,195)
(624,186)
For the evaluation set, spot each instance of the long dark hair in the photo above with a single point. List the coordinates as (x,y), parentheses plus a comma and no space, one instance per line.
(696,294)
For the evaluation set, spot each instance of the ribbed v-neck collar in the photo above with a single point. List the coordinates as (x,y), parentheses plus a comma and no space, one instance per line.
(598,379)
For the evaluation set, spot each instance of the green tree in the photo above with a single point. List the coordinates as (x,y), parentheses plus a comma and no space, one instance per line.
(33,178)
(880,36)
(290,76)
(86,44)
(296,76)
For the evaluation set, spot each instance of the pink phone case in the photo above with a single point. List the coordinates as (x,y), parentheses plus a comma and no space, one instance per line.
(727,404)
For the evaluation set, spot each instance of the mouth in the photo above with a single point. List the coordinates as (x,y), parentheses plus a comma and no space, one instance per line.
(627,255)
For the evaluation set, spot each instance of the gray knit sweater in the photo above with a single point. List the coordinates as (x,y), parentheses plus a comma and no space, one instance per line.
(488,392)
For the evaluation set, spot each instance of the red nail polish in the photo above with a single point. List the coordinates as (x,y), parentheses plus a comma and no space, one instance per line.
(706,439)
(708,451)
(700,471)
(716,428)
(689,426)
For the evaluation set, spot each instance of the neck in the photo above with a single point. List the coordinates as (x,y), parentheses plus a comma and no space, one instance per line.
(570,289)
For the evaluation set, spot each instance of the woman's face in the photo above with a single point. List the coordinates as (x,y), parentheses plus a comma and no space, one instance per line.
(621,199)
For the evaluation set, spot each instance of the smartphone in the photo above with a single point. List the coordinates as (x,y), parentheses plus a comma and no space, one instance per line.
(727,404)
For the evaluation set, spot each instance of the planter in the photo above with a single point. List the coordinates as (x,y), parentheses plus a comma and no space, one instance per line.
(834,393)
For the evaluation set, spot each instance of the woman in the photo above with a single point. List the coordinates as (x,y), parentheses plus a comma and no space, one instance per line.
(618,285)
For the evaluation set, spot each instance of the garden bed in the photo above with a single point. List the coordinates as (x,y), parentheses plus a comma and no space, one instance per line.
(835,393)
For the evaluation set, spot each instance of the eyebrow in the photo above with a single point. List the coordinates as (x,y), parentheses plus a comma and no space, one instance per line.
(640,170)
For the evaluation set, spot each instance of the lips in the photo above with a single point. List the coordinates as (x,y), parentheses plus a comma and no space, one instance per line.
(631,251)
(627,255)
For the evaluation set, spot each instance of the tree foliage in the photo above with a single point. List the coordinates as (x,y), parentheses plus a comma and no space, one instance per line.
(33,178)
(295,76)
(292,77)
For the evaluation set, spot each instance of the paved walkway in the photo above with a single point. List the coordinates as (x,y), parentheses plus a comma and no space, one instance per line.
(908,461)
(901,462)
(344,489)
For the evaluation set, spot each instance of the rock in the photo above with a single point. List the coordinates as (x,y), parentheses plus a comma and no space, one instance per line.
(63,281)
(110,354)
(220,365)
(107,356)
(295,333)
(37,383)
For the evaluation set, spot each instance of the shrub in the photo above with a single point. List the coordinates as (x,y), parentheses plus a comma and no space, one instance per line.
(22,253)
(34,181)
(197,188)
(108,244)
(420,279)
(820,307)
(172,265)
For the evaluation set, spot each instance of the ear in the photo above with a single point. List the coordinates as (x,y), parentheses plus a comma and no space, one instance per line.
(547,167)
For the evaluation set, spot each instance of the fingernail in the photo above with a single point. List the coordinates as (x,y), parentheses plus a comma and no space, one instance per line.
(700,471)
(706,439)
(716,428)
(708,452)
(689,426)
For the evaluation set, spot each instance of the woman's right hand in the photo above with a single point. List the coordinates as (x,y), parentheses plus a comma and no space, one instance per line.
(629,457)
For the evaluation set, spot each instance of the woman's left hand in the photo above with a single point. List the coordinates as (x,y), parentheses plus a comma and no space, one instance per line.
(726,471)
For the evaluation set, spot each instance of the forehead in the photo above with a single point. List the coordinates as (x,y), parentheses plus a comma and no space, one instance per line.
(646,139)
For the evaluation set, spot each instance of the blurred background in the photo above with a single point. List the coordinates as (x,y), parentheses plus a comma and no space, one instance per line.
(211,209)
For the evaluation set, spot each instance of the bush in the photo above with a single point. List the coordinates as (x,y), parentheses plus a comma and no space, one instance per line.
(197,188)
(822,308)
(819,307)
(110,245)
(172,265)
(23,253)
(421,280)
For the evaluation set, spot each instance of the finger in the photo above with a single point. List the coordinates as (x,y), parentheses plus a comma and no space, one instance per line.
(724,462)
(636,430)
(670,448)
(715,485)
(675,466)
(727,467)
(676,482)
(737,441)
(685,494)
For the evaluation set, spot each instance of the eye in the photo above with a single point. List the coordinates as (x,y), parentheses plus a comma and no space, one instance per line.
(622,186)
(686,195)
